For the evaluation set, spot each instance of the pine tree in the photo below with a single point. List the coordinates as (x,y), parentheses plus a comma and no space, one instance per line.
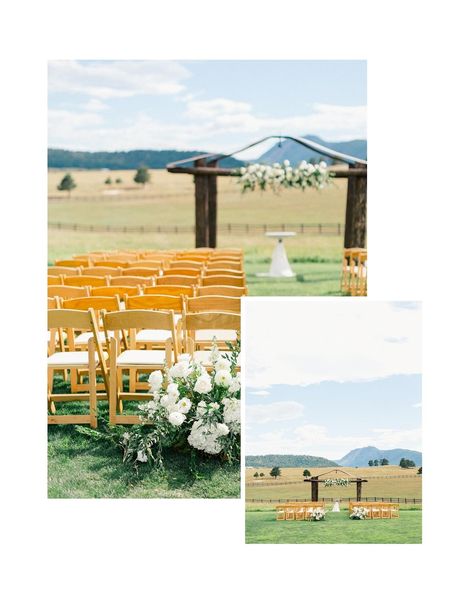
(67,184)
(306,473)
(275,472)
(255,475)
(142,176)
(108,181)
(371,463)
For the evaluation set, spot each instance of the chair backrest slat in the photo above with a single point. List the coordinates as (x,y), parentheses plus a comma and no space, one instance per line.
(213,304)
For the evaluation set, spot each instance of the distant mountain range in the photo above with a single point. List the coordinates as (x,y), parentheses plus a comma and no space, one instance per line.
(355,458)
(295,153)
(361,456)
(154,159)
(288,460)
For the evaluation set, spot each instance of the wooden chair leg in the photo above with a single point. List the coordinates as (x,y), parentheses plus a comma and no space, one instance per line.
(113,385)
(51,405)
(92,384)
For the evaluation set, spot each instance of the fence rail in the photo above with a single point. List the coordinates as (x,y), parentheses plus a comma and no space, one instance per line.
(398,500)
(327,228)
(281,483)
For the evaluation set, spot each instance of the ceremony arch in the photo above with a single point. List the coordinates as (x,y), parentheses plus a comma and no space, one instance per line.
(205,169)
(315,481)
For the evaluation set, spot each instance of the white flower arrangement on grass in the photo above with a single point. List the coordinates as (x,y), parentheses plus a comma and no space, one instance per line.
(317,514)
(278,176)
(191,408)
(336,482)
(359,513)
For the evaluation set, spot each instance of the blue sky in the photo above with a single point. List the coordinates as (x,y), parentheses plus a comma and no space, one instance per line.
(328,377)
(209,105)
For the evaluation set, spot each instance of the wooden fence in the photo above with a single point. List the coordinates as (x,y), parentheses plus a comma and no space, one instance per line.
(398,500)
(326,228)
(276,483)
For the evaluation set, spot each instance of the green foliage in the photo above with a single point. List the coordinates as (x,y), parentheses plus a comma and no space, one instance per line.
(288,460)
(255,475)
(306,473)
(142,176)
(420,470)
(67,183)
(262,474)
(118,180)
(406,463)
(371,463)
(275,472)
(384,462)
(108,181)
(376,463)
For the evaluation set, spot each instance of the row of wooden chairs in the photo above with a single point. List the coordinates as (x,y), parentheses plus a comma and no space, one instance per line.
(150,280)
(377,509)
(354,272)
(107,342)
(64,291)
(116,268)
(297,510)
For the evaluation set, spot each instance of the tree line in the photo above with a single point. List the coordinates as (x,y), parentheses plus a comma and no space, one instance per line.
(142,177)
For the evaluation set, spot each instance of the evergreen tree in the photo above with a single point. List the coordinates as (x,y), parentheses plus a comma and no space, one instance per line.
(67,184)
(275,472)
(142,176)
(403,463)
(371,463)
(376,463)
(262,474)
(306,473)
(384,462)
(108,181)
(420,471)
(118,180)
(255,475)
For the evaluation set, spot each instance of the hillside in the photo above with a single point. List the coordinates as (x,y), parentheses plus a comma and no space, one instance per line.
(361,456)
(288,460)
(295,153)
(154,159)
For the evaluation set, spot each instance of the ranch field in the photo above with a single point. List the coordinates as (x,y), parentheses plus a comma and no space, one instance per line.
(169,200)
(387,481)
(262,527)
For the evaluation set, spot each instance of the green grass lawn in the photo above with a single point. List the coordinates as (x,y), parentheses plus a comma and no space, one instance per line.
(80,467)
(262,527)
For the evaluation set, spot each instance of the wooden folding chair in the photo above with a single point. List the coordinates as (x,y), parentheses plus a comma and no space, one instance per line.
(61,270)
(223,280)
(120,291)
(187,271)
(202,329)
(122,257)
(212,304)
(165,289)
(186,263)
(55,280)
(71,263)
(72,360)
(215,290)
(227,272)
(141,271)
(102,271)
(85,280)
(68,291)
(146,263)
(224,264)
(177,280)
(109,263)
(132,280)
(135,360)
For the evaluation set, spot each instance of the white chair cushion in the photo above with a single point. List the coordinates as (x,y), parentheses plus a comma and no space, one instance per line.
(141,358)
(219,334)
(70,359)
(153,335)
(83,338)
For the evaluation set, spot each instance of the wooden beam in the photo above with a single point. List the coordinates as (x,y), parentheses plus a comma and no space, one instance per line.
(355,234)
(220,172)
(314,490)
(212,207)
(201,205)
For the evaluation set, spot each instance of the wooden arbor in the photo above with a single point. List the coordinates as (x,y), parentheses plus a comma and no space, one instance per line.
(205,169)
(315,481)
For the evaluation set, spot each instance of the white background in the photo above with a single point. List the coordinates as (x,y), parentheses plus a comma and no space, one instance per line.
(420,231)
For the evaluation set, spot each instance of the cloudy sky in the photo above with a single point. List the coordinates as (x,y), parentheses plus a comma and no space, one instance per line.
(203,105)
(325,377)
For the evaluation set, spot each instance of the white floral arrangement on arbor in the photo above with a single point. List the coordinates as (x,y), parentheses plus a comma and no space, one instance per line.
(278,176)
(336,482)
(359,513)
(191,408)
(317,514)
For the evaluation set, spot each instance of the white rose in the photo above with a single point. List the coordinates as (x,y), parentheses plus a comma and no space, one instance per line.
(222,364)
(184,405)
(176,418)
(173,390)
(203,384)
(223,378)
(155,380)
(222,429)
(286,163)
(180,370)
(141,456)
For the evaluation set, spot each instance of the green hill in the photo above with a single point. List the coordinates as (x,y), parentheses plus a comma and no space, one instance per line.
(288,460)
(154,159)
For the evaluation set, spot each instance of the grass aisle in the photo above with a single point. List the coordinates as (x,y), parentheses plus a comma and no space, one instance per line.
(261,527)
(79,467)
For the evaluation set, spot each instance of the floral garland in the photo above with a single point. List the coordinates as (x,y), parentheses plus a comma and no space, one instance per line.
(359,513)
(336,482)
(317,514)
(191,408)
(284,175)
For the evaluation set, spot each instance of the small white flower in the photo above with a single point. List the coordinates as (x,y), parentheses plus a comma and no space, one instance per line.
(141,456)
(214,406)
(203,384)
(180,370)
(184,405)
(126,437)
(176,418)
(223,378)
(222,429)
(235,384)
(173,390)
(222,364)
(155,380)
(286,163)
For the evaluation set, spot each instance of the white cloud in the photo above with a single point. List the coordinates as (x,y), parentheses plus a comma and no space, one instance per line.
(315,440)
(112,79)
(323,341)
(261,393)
(95,105)
(216,108)
(417,405)
(281,411)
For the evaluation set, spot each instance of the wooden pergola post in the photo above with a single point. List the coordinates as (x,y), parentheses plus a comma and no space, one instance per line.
(201,204)
(314,491)
(356,209)
(359,490)
(212,206)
